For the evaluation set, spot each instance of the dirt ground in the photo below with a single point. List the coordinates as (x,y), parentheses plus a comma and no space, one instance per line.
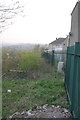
(44,111)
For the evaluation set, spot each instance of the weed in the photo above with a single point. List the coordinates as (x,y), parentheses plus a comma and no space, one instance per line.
(27,93)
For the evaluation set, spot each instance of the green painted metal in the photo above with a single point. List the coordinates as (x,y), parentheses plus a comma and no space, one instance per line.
(72,78)
(49,56)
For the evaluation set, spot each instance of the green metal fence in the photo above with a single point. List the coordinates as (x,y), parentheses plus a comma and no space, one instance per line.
(55,56)
(72,78)
(49,56)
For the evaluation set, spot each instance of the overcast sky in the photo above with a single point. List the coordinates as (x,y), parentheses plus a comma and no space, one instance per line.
(44,21)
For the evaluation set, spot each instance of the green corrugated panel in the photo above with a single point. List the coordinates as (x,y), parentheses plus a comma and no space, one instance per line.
(77,47)
(79,88)
(71,50)
(72,78)
(75,89)
(67,71)
(77,103)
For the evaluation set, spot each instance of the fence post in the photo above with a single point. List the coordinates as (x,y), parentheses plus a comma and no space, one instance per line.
(52,59)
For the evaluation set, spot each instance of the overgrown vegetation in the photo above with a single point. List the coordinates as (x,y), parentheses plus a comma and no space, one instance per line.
(9,59)
(39,84)
(30,60)
(29,92)
(21,60)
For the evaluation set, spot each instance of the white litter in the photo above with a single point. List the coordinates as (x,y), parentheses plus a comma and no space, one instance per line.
(53,106)
(60,67)
(54,116)
(44,106)
(65,110)
(22,112)
(29,112)
(8,90)
(58,106)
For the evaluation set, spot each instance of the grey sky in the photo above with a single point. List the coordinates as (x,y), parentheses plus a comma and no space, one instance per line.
(44,21)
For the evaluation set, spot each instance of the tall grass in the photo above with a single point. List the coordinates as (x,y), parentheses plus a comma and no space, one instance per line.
(30,60)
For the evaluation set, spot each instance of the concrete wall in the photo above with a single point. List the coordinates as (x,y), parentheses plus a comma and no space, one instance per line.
(79,21)
(55,47)
(75,24)
(66,43)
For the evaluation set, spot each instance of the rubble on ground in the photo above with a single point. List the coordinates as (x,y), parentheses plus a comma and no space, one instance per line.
(44,111)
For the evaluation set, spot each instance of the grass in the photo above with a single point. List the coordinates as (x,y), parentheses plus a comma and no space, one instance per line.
(28,92)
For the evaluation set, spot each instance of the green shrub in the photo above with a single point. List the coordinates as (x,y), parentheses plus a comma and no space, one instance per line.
(9,59)
(30,60)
